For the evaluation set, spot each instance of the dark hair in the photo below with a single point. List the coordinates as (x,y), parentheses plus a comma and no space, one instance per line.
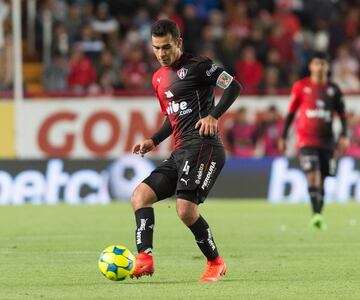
(320,55)
(163,27)
(241,110)
(272,108)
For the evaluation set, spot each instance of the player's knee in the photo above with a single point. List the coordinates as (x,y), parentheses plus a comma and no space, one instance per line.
(313,179)
(186,213)
(142,196)
(185,216)
(135,198)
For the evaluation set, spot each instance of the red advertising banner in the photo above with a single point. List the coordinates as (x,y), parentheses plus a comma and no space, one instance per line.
(107,128)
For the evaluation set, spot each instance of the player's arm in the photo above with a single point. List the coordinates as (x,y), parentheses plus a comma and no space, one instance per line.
(163,133)
(149,144)
(293,107)
(339,106)
(282,141)
(208,125)
(211,74)
(288,121)
(227,99)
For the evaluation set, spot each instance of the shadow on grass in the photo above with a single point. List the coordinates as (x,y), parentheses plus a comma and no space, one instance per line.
(178,282)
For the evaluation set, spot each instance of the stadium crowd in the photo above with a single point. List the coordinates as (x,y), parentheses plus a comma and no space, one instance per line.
(104,46)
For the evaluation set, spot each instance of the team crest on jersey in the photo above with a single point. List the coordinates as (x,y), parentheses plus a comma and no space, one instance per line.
(330,91)
(182,73)
(320,103)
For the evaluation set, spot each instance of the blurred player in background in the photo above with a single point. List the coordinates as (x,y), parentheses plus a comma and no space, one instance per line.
(184,86)
(317,99)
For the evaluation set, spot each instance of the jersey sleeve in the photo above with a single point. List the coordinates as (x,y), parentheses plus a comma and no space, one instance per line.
(155,86)
(210,73)
(163,108)
(295,98)
(339,104)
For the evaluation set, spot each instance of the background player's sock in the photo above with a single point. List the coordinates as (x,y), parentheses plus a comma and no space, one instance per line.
(204,239)
(321,199)
(316,199)
(145,221)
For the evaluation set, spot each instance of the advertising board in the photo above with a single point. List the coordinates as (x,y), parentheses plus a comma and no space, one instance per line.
(56,181)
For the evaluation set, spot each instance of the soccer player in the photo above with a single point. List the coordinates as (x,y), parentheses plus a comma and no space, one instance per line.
(317,99)
(184,86)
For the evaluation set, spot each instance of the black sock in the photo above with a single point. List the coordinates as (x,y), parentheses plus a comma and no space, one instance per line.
(204,239)
(316,199)
(145,221)
(321,199)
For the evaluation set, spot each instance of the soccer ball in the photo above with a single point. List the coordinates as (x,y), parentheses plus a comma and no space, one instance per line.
(116,263)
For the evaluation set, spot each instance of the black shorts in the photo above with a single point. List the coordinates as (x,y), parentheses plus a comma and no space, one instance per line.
(318,159)
(189,173)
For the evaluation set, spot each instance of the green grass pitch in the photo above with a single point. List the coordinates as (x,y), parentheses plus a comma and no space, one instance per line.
(51,252)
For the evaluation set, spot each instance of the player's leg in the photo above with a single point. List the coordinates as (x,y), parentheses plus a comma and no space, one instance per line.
(314,182)
(199,168)
(188,213)
(142,200)
(310,163)
(156,187)
(327,168)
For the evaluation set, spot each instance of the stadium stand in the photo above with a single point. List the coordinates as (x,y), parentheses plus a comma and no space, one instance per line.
(271,39)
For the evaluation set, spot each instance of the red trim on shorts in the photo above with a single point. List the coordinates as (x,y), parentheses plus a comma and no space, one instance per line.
(207,164)
(198,158)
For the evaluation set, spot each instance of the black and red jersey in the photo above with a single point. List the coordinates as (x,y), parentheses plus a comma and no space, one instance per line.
(317,104)
(186,94)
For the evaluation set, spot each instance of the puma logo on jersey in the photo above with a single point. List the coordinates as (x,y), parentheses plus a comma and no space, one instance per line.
(181,107)
(169,94)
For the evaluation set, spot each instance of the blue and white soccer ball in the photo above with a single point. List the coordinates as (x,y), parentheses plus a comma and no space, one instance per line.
(116,263)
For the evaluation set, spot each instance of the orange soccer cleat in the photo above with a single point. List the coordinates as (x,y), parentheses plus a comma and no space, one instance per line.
(214,269)
(144,265)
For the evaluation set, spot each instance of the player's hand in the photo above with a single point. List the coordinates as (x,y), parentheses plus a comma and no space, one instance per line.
(144,147)
(281,145)
(342,145)
(207,126)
